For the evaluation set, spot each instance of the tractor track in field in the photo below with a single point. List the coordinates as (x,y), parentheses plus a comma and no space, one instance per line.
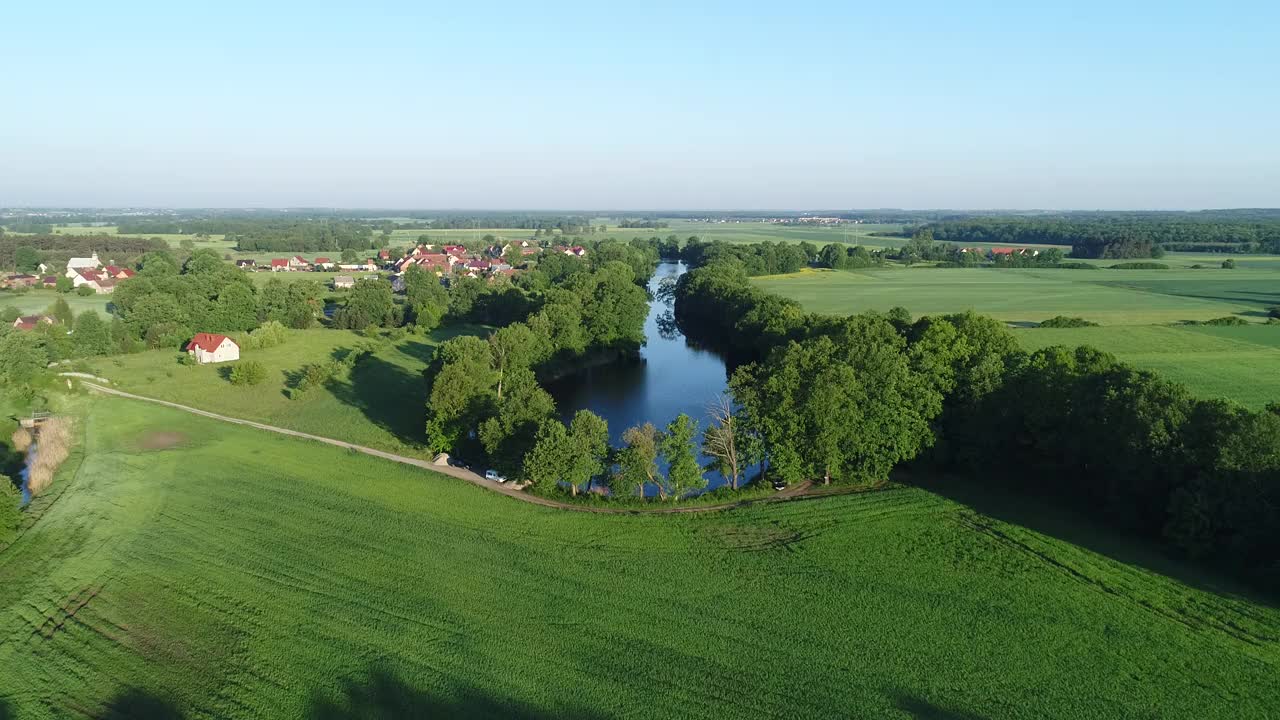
(800,491)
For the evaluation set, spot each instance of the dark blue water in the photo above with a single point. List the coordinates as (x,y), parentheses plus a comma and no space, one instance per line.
(671,377)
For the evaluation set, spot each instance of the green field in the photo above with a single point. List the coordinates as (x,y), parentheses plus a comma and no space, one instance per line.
(37,301)
(244,574)
(383,405)
(1108,297)
(1239,363)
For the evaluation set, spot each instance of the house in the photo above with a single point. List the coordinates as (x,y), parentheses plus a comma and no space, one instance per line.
(297,262)
(213,348)
(29,322)
(323,263)
(118,273)
(528,250)
(75,265)
(343,281)
(455,250)
(49,281)
(1001,251)
(477,265)
(384,254)
(246,264)
(576,251)
(101,282)
(279,265)
(22,280)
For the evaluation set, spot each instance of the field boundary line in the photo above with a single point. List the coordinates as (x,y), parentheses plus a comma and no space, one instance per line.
(797,492)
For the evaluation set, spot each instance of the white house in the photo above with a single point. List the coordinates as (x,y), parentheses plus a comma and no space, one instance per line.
(343,281)
(213,348)
(75,265)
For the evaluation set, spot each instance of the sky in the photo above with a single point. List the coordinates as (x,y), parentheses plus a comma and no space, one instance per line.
(656,105)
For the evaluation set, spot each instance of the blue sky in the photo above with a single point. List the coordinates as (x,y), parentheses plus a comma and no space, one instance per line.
(648,105)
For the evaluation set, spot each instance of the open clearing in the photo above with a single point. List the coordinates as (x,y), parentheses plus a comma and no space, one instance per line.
(253,574)
(37,301)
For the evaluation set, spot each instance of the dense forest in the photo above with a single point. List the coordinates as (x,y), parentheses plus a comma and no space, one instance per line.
(849,398)
(1119,236)
(55,249)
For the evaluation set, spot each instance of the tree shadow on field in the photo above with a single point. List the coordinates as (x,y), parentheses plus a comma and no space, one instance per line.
(391,397)
(419,351)
(137,704)
(1048,516)
(383,695)
(921,709)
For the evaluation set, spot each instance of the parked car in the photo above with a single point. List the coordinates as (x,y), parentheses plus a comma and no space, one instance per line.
(779,485)
(494,476)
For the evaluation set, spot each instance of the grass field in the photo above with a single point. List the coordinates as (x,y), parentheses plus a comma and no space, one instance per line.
(1109,297)
(36,301)
(1239,363)
(191,566)
(382,406)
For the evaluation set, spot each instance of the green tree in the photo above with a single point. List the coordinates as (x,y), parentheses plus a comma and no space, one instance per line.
(508,435)
(462,382)
(427,299)
(236,309)
(157,263)
(544,464)
(589,448)
(248,372)
(62,313)
(22,357)
(92,336)
(63,284)
(371,303)
(26,259)
(638,462)
(679,450)
(1228,264)
(156,310)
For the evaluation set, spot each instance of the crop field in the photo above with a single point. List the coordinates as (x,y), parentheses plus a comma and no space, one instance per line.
(1108,297)
(217,242)
(1238,363)
(383,405)
(215,571)
(37,301)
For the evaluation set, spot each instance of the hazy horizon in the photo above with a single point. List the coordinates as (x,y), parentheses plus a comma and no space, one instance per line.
(1088,106)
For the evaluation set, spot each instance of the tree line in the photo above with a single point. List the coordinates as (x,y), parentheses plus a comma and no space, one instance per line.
(1121,236)
(55,250)
(849,398)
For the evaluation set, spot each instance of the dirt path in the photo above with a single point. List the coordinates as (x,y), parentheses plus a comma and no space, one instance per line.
(802,490)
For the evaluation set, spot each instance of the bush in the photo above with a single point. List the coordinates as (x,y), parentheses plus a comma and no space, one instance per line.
(270,334)
(1076,266)
(1228,320)
(85,291)
(1274,311)
(1228,264)
(248,372)
(10,509)
(1062,321)
(1138,266)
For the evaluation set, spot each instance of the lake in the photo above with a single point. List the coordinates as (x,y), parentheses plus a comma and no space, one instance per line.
(670,377)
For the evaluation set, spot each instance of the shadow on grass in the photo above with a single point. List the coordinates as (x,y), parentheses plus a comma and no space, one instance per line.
(138,704)
(383,695)
(921,709)
(389,396)
(1048,516)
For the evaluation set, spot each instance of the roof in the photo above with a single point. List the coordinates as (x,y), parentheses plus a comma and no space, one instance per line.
(29,322)
(343,279)
(208,341)
(300,259)
(279,262)
(1001,251)
(321,261)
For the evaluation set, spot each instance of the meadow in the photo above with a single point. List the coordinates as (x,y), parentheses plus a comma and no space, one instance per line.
(382,404)
(196,569)
(37,301)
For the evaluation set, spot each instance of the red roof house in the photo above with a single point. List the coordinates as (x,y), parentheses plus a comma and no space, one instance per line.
(279,264)
(212,348)
(29,322)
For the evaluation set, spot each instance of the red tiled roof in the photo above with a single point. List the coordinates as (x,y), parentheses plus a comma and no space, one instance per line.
(29,322)
(1001,251)
(321,261)
(206,341)
(279,262)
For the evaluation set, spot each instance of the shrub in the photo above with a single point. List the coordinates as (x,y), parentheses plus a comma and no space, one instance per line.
(54,445)
(1274,311)
(1076,266)
(1062,321)
(10,509)
(1138,266)
(248,372)
(1228,320)
(85,291)
(1228,264)
(187,359)
(270,334)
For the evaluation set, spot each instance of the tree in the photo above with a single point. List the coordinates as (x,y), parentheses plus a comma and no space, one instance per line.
(544,464)
(157,263)
(248,372)
(61,312)
(22,357)
(236,309)
(720,440)
(157,310)
(86,291)
(92,336)
(26,259)
(589,447)
(638,462)
(508,435)
(462,380)
(1228,264)
(426,297)
(63,284)
(514,347)
(371,303)
(350,256)
(678,449)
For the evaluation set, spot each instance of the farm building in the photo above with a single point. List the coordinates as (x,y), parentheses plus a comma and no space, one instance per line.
(30,322)
(343,281)
(246,264)
(279,265)
(213,348)
(75,265)
(323,263)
